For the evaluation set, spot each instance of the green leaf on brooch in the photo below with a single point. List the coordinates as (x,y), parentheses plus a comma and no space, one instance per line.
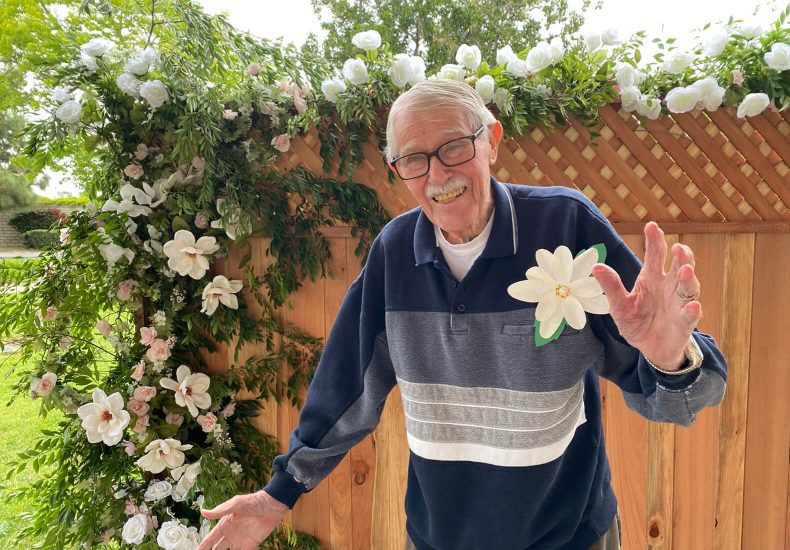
(540,340)
(601,248)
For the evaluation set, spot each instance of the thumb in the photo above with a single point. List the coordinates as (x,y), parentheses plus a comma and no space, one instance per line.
(610,282)
(230,506)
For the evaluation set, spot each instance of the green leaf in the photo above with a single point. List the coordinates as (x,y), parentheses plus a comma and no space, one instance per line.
(540,340)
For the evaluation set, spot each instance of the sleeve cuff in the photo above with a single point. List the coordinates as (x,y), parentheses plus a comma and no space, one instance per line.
(671,381)
(284,487)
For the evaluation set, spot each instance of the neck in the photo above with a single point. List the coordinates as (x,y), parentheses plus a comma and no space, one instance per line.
(469,233)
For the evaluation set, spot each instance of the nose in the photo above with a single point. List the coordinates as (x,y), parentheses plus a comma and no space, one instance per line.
(437,172)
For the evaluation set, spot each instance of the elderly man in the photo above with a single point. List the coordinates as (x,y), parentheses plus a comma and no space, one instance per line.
(498,373)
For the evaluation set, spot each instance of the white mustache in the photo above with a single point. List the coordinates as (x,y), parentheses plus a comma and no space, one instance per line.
(452,184)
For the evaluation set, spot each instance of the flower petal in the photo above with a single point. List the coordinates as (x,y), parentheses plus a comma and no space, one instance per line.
(536,273)
(573,312)
(547,307)
(530,291)
(582,264)
(564,262)
(182,373)
(550,326)
(548,263)
(595,304)
(586,287)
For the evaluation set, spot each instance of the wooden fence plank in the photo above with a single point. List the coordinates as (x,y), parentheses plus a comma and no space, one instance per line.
(772,136)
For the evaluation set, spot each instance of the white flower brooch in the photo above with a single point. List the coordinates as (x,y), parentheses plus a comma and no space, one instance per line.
(563,288)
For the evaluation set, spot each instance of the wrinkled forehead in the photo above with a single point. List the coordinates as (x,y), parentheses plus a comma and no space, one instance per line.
(416,128)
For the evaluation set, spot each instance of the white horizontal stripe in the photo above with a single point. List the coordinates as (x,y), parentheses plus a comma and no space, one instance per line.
(480,406)
(472,452)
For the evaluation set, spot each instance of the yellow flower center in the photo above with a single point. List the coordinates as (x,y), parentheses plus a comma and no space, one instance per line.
(562,291)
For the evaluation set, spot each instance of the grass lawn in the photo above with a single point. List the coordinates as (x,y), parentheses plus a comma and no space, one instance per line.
(19,427)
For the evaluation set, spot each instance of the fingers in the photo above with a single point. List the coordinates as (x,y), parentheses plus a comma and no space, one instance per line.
(213,538)
(681,255)
(611,284)
(655,248)
(234,504)
(692,313)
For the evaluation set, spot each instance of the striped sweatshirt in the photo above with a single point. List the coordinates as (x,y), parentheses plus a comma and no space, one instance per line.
(505,437)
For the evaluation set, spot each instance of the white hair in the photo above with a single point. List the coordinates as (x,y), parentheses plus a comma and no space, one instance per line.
(433,96)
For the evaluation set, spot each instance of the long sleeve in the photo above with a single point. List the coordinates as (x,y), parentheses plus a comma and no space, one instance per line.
(348,392)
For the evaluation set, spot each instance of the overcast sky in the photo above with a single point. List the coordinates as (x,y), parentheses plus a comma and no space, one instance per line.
(293,20)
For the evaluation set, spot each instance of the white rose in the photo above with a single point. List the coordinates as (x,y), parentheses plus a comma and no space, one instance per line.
(332,87)
(129,84)
(539,57)
(154,92)
(649,107)
(61,94)
(135,529)
(779,57)
(158,491)
(629,97)
(625,75)
(504,55)
(368,40)
(485,88)
(753,105)
(712,95)
(716,40)
(452,72)
(749,31)
(610,36)
(69,112)
(516,67)
(89,61)
(468,56)
(418,69)
(676,62)
(96,47)
(556,50)
(173,536)
(141,62)
(592,40)
(401,70)
(683,99)
(355,71)
(501,97)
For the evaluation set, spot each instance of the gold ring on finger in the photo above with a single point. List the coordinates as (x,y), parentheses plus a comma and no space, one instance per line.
(686,298)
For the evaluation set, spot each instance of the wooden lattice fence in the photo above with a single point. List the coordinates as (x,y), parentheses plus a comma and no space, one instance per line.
(713,181)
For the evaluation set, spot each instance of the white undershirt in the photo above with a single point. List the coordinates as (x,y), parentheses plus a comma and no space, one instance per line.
(460,257)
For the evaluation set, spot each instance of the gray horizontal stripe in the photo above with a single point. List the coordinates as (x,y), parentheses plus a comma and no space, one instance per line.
(493,397)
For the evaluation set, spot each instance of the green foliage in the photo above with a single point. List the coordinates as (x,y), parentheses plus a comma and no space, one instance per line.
(29,220)
(64,201)
(40,238)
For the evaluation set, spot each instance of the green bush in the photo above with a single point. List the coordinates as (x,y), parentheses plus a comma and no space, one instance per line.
(64,201)
(29,220)
(39,238)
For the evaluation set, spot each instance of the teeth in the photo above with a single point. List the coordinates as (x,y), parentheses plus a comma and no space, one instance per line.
(444,197)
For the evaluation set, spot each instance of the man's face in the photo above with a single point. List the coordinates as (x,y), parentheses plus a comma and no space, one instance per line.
(457,199)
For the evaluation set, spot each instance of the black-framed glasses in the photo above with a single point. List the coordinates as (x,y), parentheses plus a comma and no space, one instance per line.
(452,153)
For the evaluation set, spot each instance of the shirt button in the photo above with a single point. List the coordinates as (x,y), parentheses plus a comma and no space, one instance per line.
(460,308)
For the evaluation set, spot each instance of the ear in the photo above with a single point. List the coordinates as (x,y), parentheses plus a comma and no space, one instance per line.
(392,169)
(495,132)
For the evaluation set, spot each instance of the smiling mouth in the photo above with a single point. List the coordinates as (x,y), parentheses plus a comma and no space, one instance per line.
(449,196)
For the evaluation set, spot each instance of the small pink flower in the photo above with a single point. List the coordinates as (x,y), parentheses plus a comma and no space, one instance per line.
(269,108)
(47,383)
(141,425)
(285,87)
(64,236)
(104,328)
(737,77)
(201,220)
(229,409)
(137,407)
(282,143)
(139,370)
(125,289)
(133,171)
(64,343)
(254,69)
(130,508)
(147,335)
(141,152)
(50,315)
(159,351)
(229,114)
(300,104)
(129,448)
(174,418)
(207,421)
(144,393)
(198,163)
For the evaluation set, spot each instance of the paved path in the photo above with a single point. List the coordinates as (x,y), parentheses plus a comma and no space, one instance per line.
(18,253)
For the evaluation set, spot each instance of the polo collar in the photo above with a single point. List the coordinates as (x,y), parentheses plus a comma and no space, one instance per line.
(503,240)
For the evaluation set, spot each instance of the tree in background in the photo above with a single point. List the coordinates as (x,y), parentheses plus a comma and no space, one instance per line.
(434,29)
(15,181)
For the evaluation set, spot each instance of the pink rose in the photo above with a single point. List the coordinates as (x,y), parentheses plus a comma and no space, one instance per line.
(64,343)
(144,393)
(139,370)
(254,69)
(229,409)
(47,383)
(282,143)
(300,104)
(285,87)
(133,171)
(141,425)
(207,421)
(159,351)
(201,220)
(141,152)
(104,328)
(737,77)
(125,289)
(229,114)
(147,335)
(129,448)
(50,315)
(174,418)
(130,508)
(137,407)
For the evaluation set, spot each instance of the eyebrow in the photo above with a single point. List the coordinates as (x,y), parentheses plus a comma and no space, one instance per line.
(446,131)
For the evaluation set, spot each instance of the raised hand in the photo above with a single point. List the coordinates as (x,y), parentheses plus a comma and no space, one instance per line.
(244,522)
(659,314)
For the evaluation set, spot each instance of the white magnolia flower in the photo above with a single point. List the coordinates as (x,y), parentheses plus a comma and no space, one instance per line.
(504,55)
(716,40)
(516,67)
(451,71)
(401,70)
(683,99)
(154,92)
(355,71)
(625,74)
(223,291)
(753,105)
(468,56)
(544,55)
(676,62)
(136,201)
(629,98)
(233,226)
(61,94)
(161,454)
(135,529)
(186,476)
(332,87)
(141,62)
(712,95)
(174,536)
(190,389)
(563,288)
(104,419)
(157,491)
(485,88)
(96,47)
(648,106)
(417,69)
(187,256)
(779,57)
(368,40)
(89,61)
(69,112)
(111,252)
(749,31)
(129,84)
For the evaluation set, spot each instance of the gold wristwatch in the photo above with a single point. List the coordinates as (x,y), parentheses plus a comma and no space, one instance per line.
(693,360)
